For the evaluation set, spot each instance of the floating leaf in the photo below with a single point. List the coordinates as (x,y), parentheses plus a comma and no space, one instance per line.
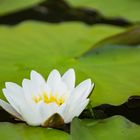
(130,37)
(115,71)
(7,6)
(42,47)
(127,9)
(115,127)
(23,132)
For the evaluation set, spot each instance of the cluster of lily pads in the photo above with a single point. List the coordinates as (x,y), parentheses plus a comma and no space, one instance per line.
(109,55)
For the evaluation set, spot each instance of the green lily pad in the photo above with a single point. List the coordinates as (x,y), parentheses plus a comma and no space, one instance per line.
(116,127)
(23,132)
(130,37)
(115,72)
(7,6)
(127,9)
(43,47)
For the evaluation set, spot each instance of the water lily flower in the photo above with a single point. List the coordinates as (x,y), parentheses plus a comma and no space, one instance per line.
(38,99)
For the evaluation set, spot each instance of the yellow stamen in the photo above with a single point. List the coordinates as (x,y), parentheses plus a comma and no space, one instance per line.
(51,99)
(37,98)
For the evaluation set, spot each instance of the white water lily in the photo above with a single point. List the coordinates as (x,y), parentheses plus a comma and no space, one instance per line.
(37,100)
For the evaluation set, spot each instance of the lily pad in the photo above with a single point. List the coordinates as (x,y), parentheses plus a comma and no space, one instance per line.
(7,6)
(115,72)
(127,9)
(23,132)
(130,37)
(115,127)
(43,47)
(39,46)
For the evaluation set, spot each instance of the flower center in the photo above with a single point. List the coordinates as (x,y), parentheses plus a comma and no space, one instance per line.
(49,99)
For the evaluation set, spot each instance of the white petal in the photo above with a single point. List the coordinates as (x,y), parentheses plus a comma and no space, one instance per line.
(28,90)
(56,84)
(53,78)
(76,110)
(30,114)
(63,109)
(47,90)
(82,87)
(11,99)
(14,87)
(47,110)
(88,91)
(81,92)
(60,89)
(69,78)
(37,78)
(37,83)
(77,97)
(27,109)
(10,109)
(14,95)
